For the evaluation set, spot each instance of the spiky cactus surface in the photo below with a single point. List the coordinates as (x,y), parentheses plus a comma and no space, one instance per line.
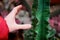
(41,29)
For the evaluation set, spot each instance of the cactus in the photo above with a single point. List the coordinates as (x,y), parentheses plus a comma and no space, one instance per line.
(41,29)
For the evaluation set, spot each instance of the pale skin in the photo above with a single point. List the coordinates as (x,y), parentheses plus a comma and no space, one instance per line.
(10,20)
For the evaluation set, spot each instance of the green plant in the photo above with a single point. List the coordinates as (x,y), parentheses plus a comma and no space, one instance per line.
(41,29)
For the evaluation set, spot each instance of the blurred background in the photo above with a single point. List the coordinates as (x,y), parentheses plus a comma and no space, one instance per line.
(54,17)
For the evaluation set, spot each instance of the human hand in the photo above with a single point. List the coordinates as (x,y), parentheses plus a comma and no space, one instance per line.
(10,20)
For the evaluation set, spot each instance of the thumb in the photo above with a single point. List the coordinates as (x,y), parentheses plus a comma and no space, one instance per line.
(20,26)
(23,26)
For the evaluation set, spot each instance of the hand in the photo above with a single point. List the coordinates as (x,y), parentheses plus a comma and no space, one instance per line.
(10,20)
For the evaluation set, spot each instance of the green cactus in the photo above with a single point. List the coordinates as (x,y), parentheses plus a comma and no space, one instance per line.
(41,29)
(42,16)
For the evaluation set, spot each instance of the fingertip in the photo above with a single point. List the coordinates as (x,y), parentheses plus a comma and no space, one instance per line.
(29,26)
(20,5)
